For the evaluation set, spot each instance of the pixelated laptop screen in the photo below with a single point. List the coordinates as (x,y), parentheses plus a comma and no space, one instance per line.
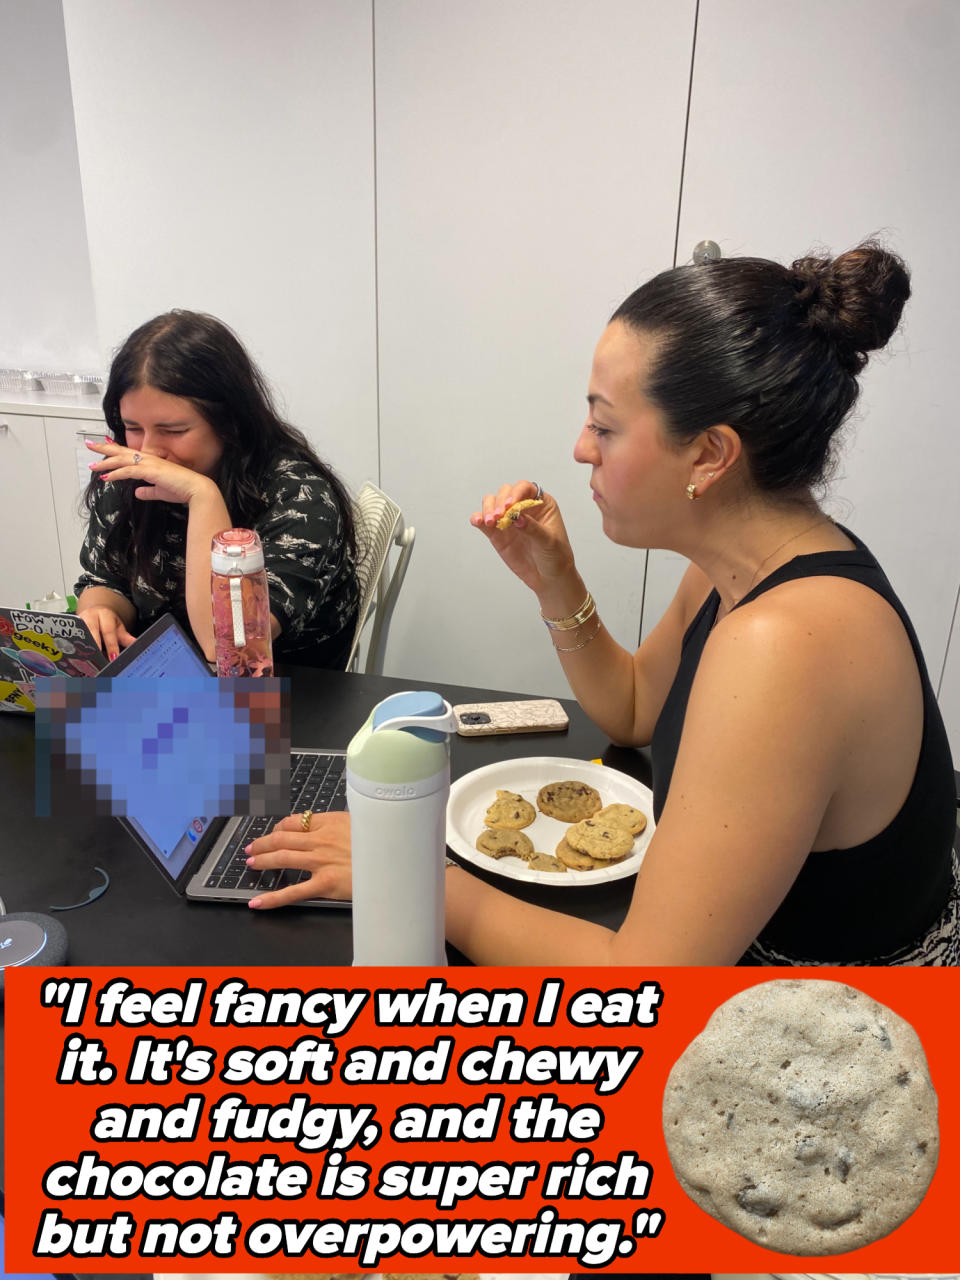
(164,650)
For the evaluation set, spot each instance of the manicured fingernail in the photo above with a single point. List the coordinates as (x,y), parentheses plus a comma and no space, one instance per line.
(91,465)
(247,847)
(114,655)
(249,860)
(255,902)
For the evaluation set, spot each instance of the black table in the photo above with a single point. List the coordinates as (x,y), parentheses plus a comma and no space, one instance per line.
(139,920)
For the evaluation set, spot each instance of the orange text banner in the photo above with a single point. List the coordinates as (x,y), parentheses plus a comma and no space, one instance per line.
(399,1120)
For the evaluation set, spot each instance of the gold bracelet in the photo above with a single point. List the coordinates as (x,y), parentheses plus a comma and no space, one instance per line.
(583,643)
(582,615)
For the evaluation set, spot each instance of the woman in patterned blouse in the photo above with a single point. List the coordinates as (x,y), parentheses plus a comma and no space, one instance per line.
(197,446)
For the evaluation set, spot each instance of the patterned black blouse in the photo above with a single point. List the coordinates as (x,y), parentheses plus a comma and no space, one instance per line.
(312,575)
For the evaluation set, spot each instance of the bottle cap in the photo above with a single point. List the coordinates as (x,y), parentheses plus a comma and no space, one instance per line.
(415,706)
(404,740)
(236,551)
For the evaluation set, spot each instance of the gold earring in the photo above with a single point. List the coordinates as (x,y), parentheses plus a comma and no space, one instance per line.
(692,492)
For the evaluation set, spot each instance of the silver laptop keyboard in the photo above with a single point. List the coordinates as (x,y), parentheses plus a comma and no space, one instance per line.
(317,782)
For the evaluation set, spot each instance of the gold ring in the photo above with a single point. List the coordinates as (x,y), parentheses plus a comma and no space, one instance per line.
(305,820)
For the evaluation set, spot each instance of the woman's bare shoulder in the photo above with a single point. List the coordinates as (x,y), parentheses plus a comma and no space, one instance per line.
(822,609)
(838,641)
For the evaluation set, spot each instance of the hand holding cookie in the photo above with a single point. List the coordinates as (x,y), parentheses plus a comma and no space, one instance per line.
(525,527)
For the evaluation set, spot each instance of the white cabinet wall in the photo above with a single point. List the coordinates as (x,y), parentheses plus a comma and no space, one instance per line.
(40,490)
(419,216)
(30,561)
(528,171)
(66,450)
(811,126)
(226,162)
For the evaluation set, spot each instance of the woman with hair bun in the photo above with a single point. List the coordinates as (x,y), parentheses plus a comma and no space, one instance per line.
(803,787)
(198,447)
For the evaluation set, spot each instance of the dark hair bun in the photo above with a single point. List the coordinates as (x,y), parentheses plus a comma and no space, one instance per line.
(855,300)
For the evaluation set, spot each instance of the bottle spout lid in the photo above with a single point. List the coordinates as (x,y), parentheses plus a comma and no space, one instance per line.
(424,714)
(236,551)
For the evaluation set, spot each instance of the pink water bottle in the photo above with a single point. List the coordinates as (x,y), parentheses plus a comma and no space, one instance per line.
(241,605)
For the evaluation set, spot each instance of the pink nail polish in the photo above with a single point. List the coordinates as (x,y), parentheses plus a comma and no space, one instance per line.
(114,655)
(247,848)
(250,862)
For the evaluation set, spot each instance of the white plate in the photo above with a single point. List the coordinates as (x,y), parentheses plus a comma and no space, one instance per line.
(472,795)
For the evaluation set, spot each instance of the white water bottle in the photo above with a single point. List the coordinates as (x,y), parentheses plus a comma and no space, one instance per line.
(398,783)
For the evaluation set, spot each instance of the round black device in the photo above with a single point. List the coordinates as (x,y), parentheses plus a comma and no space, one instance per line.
(29,938)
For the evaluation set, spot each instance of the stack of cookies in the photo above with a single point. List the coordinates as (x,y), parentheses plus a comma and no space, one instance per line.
(597,835)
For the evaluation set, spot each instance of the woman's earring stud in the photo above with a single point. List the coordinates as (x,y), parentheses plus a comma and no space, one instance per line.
(692,492)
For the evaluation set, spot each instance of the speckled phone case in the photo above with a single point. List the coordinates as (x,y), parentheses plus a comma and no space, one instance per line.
(533,715)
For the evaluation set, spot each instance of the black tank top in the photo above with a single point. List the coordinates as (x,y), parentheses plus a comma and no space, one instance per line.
(854,904)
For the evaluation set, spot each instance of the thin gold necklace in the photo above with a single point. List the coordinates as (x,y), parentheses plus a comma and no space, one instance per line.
(808,529)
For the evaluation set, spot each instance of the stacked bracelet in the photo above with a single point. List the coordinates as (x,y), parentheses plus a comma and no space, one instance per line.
(582,615)
(583,643)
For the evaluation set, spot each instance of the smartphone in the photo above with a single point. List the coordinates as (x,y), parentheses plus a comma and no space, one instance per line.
(532,715)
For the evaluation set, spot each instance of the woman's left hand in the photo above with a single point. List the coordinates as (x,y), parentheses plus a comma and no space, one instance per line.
(324,851)
(159,480)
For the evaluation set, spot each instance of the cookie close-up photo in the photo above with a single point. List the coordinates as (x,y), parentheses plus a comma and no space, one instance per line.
(803,1117)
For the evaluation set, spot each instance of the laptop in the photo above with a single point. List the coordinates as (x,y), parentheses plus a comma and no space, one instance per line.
(204,861)
(35,644)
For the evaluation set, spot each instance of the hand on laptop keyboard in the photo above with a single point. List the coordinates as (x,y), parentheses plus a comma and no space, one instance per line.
(323,853)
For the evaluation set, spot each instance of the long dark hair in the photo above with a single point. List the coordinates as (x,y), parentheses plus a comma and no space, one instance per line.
(196,357)
(772,351)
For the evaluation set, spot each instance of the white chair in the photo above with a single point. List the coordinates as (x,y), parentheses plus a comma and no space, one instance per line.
(379,525)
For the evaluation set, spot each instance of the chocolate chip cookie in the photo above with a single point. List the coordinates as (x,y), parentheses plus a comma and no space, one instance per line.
(803,1117)
(599,839)
(569,801)
(498,842)
(622,815)
(511,811)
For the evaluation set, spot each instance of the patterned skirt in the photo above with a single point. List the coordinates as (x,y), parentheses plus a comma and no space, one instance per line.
(939,945)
